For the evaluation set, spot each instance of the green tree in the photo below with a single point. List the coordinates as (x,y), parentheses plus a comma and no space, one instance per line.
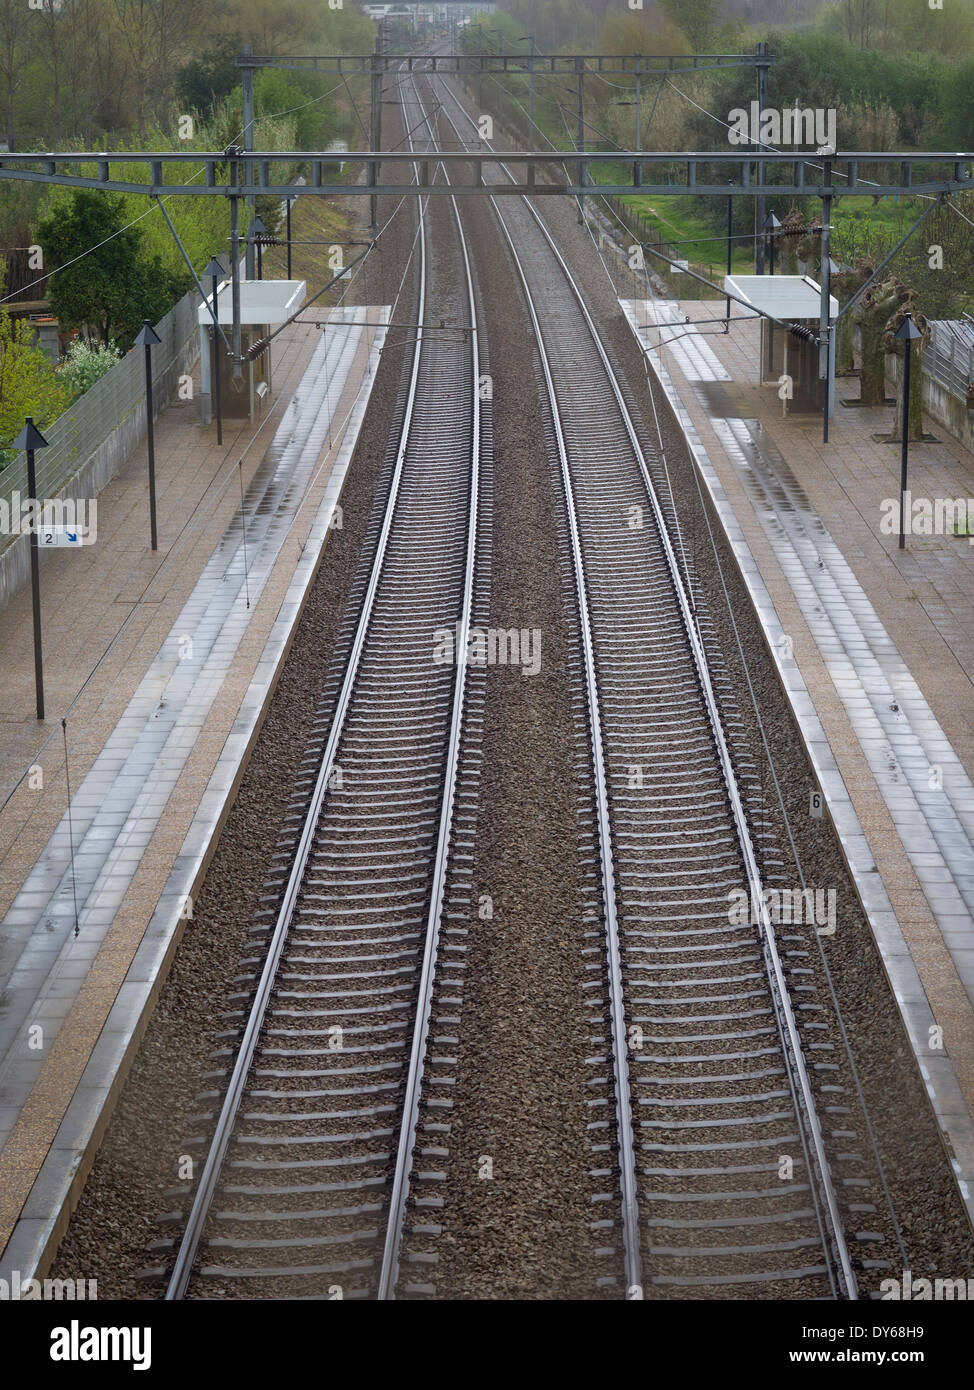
(205,80)
(957,107)
(99,273)
(28,384)
(697,19)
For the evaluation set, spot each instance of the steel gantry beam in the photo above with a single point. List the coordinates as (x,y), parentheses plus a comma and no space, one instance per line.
(552,64)
(719,174)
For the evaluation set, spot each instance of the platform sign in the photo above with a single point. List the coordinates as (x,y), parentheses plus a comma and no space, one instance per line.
(51,537)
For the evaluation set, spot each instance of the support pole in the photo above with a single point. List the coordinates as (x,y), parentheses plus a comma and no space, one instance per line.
(215,272)
(29,439)
(907,333)
(35,587)
(905,442)
(235,262)
(730,246)
(825,359)
(216,382)
(146,339)
(759,204)
(288,215)
(375,135)
(247,76)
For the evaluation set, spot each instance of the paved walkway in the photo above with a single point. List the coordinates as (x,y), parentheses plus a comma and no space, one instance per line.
(162,664)
(883,642)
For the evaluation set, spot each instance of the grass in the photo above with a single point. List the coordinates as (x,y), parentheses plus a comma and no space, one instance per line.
(858,224)
(315,220)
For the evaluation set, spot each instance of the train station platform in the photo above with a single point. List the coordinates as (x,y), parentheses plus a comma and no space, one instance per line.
(161,665)
(875,649)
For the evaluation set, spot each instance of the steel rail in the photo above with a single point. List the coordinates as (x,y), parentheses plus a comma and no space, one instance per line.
(407,1133)
(209,1179)
(783,1009)
(627,1159)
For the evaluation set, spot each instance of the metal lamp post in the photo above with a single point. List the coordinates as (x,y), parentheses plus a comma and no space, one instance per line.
(907,334)
(216,273)
(29,439)
(147,339)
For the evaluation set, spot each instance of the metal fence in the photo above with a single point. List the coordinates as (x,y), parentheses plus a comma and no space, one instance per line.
(85,426)
(949,357)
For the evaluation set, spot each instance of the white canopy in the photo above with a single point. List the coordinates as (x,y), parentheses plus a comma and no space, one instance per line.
(781,296)
(261,301)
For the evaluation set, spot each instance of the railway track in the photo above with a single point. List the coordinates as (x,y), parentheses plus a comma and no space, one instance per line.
(720,1181)
(307,1179)
(710,1169)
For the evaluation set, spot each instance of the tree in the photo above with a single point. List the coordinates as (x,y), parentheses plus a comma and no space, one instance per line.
(202,82)
(897,346)
(697,19)
(957,107)
(847,283)
(14,20)
(28,385)
(872,314)
(107,279)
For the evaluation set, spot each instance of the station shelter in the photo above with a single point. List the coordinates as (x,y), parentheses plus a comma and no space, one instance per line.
(264,304)
(792,299)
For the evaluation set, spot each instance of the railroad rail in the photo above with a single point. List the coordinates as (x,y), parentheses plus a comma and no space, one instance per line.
(706,1047)
(314,1143)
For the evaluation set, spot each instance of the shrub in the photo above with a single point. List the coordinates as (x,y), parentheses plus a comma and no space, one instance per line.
(86,363)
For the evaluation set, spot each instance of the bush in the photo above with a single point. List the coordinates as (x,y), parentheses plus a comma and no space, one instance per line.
(86,363)
(28,385)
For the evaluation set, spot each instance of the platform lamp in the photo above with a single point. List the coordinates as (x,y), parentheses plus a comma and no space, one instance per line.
(258,235)
(148,338)
(907,334)
(30,439)
(216,273)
